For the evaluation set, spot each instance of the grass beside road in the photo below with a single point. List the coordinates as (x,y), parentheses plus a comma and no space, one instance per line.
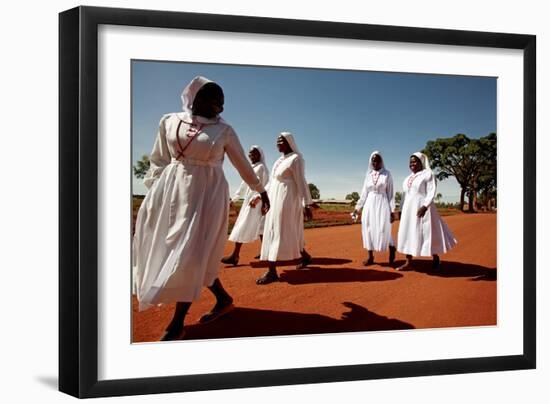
(326,215)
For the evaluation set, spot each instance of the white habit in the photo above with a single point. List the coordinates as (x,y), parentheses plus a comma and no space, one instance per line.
(428,235)
(377,201)
(247,226)
(181,226)
(283,235)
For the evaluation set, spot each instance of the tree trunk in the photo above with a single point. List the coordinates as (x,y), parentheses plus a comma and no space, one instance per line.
(471,201)
(462,193)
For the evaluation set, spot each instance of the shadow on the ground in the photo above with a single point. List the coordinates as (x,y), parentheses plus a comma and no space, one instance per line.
(314,261)
(451,269)
(329,275)
(247,322)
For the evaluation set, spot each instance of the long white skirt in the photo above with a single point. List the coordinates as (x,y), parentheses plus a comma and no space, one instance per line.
(375,222)
(426,236)
(247,226)
(181,231)
(283,233)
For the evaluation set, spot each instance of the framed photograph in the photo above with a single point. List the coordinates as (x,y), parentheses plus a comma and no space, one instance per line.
(251,202)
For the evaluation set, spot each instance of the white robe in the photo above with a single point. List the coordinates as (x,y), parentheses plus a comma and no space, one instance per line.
(428,235)
(377,201)
(247,226)
(181,226)
(283,235)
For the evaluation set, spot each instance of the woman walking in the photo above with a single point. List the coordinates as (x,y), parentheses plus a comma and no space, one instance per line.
(283,237)
(247,227)
(181,226)
(376,205)
(422,232)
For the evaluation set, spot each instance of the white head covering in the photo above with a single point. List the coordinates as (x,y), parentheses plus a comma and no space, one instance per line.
(291,142)
(262,156)
(424,159)
(190,92)
(374,153)
(188,96)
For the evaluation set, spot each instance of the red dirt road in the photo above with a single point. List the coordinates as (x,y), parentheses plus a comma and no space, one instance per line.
(338,294)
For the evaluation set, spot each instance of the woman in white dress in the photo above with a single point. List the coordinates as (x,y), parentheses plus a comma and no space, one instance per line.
(247,227)
(422,232)
(283,237)
(181,226)
(376,205)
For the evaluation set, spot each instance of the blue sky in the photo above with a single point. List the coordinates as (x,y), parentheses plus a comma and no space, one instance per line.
(338,117)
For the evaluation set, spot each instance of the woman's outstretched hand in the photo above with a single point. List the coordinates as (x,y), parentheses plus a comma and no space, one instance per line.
(422,211)
(265,202)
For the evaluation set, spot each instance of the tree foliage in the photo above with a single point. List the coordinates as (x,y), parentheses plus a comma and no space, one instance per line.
(142,166)
(354,197)
(472,162)
(314,191)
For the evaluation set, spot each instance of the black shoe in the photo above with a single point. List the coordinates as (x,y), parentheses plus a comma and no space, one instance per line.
(230,259)
(268,277)
(173,334)
(215,314)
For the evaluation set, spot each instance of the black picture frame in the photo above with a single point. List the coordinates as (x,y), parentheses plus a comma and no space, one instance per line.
(78,201)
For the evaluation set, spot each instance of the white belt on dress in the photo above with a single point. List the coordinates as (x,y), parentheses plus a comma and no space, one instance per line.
(194,162)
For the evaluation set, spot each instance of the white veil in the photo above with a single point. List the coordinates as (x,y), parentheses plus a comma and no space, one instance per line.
(423,159)
(374,153)
(262,155)
(189,93)
(291,142)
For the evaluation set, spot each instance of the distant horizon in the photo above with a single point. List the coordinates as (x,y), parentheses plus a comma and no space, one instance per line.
(332,113)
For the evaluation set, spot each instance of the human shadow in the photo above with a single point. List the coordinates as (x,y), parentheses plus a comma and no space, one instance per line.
(329,275)
(247,322)
(314,261)
(451,269)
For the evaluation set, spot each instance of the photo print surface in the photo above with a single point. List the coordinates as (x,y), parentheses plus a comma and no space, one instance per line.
(271,201)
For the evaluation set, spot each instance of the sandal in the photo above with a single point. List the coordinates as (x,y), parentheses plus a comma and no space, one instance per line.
(215,314)
(268,277)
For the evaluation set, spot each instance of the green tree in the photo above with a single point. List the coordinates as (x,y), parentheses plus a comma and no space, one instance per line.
(354,197)
(486,182)
(468,160)
(314,191)
(142,166)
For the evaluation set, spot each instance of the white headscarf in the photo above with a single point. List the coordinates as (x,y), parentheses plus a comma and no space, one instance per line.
(291,142)
(423,159)
(262,156)
(374,153)
(189,93)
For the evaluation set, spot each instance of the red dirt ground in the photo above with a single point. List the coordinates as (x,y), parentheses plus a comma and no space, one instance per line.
(338,294)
